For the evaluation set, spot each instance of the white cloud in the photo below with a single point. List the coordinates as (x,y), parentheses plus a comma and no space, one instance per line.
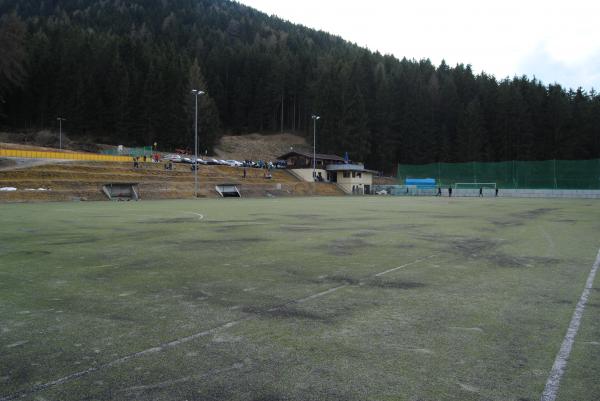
(502,38)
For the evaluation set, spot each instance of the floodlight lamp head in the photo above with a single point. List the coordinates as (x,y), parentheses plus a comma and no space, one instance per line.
(316,117)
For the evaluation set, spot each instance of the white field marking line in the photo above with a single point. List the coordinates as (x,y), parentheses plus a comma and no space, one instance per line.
(125,358)
(551,244)
(180,341)
(200,216)
(403,266)
(560,363)
(320,294)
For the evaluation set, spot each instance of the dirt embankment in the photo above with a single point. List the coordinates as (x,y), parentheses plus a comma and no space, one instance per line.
(259,147)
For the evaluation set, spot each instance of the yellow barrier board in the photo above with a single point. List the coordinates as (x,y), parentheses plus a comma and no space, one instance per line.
(29,154)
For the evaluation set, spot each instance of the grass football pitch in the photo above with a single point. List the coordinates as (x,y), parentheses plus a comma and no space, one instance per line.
(349,298)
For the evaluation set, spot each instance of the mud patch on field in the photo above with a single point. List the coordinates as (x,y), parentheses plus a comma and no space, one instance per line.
(29,253)
(563,302)
(197,244)
(298,228)
(405,226)
(569,221)
(469,247)
(346,246)
(306,216)
(395,284)
(507,223)
(534,213)
(342,279)
(270,397)
(506,260)
(74,240)
(450,216)
(365,233)
(287,312)
(233,227)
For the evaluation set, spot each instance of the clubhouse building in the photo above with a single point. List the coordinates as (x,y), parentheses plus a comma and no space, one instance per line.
(350,177)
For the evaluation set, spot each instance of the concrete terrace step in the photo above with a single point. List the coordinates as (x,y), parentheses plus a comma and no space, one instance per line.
(84,180)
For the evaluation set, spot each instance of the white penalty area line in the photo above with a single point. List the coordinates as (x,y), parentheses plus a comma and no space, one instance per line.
(403,266)
(179,341)
(560,363)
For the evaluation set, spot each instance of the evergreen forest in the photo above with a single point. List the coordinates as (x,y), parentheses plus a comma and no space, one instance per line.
(122,72)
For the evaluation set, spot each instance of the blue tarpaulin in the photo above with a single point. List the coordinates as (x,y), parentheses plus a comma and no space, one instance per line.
(420,182)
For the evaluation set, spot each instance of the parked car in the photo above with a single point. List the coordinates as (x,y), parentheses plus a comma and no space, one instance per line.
(234,163)
(280,164)
(212,162)
(172,158)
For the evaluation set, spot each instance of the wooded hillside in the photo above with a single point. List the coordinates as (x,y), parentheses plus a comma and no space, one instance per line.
(123,71)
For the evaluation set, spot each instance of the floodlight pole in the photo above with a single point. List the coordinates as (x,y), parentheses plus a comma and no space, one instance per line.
(315,118)
(196,93)
(60,120)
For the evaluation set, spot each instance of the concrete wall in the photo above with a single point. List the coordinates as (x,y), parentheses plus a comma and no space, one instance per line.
(346,183)
(527,193)
(305,174)
(399,190)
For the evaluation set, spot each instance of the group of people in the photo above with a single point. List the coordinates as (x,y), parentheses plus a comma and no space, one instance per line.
(357,190)
(137,159)
(439,192)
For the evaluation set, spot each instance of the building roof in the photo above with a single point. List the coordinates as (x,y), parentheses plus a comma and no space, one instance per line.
(310,156)
(350,167)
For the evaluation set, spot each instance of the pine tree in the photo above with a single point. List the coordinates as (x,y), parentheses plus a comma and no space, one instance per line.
(209,125)
(12,61)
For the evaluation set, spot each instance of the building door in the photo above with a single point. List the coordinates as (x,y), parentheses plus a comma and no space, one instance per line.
(367,190)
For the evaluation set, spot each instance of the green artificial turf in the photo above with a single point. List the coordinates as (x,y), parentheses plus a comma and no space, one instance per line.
(283,299)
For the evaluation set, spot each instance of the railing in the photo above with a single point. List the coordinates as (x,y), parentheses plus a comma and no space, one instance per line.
(33,154)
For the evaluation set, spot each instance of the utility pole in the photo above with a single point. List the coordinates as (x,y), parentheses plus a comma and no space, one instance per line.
(60,120)
(196,93)
(315,118)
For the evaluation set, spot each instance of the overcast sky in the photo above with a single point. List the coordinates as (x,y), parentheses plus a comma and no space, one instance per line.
(556,41)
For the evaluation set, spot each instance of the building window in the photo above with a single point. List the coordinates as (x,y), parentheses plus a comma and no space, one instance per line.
(346,174)
(354,174)
(359,175)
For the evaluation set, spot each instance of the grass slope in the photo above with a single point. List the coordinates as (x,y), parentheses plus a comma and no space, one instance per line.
(284,299)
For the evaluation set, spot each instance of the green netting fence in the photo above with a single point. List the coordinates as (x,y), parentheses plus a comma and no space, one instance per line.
(548,174)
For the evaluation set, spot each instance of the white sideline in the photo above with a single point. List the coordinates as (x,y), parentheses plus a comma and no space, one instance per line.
(560,363)
(173,343)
